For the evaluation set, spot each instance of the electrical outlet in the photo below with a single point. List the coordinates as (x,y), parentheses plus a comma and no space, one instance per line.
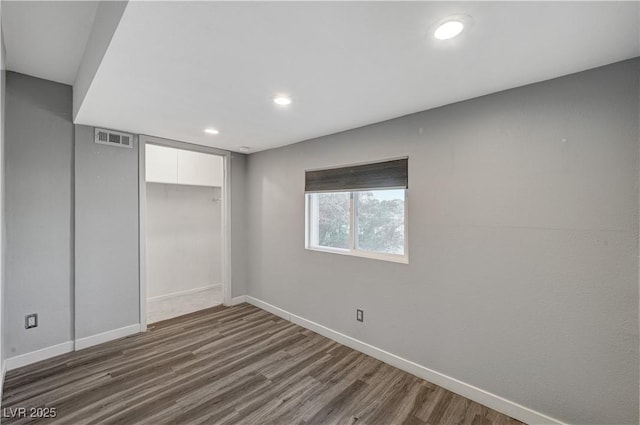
(360,315)
(31,321)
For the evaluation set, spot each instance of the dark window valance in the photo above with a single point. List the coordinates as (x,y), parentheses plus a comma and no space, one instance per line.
(376,175)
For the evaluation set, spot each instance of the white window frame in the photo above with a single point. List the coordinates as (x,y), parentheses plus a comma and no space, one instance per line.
(311,209)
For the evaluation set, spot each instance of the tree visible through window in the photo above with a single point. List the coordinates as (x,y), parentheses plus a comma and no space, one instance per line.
(358,222)
(333,219)
(380,221)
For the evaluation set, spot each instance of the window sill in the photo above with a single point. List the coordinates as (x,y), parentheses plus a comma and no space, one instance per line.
(394,258)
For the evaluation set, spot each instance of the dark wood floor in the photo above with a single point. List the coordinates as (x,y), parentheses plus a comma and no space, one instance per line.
(231,365)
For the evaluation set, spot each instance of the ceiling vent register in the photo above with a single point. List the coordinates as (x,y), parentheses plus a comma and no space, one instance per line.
(113,138)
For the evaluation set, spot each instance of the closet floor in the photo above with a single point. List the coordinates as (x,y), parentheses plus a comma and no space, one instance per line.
(178,305)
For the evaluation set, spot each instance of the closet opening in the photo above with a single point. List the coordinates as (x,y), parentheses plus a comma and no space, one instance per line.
(183,222)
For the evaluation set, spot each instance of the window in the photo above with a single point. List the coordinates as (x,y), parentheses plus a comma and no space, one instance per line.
(368,222)
(330,220)
(379,221)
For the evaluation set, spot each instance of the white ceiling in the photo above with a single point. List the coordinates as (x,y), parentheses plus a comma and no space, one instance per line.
(46,39)
(175,68)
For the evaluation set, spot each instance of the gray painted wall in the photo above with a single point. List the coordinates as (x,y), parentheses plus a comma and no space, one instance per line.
(3,76)
(106,236)
(38,152)
(43,168)
(184,238)
(523,224)
(239,234)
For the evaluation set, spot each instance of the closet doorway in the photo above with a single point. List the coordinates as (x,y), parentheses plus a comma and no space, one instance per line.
(184,240)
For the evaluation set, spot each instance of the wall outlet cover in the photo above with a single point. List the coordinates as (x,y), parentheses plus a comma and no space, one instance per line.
(360,315)
(31,321)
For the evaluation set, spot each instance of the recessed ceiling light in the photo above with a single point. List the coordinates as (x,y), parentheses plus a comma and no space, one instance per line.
(211,131)
(282,100)
(244,148)
(448,30)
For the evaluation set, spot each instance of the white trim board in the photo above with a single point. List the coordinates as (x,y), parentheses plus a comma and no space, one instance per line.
(92,340)
(142,217)
(66,347)
(142,232)
(38,355)
(185,292)
(471,392)
(238,300)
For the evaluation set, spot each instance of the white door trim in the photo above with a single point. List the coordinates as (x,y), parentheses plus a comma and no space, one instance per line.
(142,202)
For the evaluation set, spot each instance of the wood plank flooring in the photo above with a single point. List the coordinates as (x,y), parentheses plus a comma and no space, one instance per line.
(231,365)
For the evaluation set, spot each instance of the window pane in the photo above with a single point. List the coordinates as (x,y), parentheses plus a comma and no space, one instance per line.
(330,219)
(380,221)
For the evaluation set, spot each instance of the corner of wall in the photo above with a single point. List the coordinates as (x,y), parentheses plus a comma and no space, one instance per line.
(3,365)
(105,23)
(239,234)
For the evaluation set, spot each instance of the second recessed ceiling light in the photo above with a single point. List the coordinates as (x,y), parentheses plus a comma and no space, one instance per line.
(282,100)
(448,30)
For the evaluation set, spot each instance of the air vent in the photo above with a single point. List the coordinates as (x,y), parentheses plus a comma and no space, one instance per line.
(113,138)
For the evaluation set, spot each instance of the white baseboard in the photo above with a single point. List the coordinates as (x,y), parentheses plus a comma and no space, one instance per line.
(66,347)
(185,292)
(92,340)
(238,300)
(270,308)
(471,392)
(38,355)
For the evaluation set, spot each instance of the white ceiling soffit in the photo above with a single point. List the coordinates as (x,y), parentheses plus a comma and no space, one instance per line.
(46,39)
(175,68)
